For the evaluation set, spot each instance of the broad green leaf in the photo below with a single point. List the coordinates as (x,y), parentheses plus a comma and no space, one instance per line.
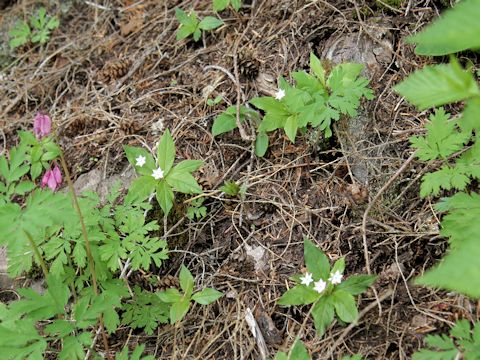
(182,16)
(261,144)
(210,23)
(357,284)
(189,165)
(220,5)
(166,152)
(206,296)
(223,123)
(299,352)
(184,32)
(171,295)
(183,182)
(165,197)
(186,280)
(298,295)
(281,356)
(236,4)
(323,314)
(178,310)
(316,261)
(134,153)
(456,30)
(24,187)
(270,105)
(141,188)
(291,126)
(438,85)
(339,265)
(345,305)
(317,68)
(197,34)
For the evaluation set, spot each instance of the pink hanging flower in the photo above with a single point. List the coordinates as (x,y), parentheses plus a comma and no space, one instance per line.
(52,178)
(42,125)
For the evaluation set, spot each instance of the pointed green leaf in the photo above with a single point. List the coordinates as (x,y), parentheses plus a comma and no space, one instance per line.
(357,284)
(291,126)
(166,152)
(323,314)
(165,196)
(317,68)
(207,296)
(316,261)
(186,280)
(210,23)
(261,144)
(183,182)
(298,295)
(345,306)
(220,5)
(134,153)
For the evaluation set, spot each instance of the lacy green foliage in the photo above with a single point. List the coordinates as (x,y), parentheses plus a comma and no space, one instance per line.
(20,335)
(160,176)
(439,85)
(456,30)
(190,24)
(136,354)
(180,301)
(333,298)
(37,30)
(220,5)
(145,311)
(196,209)
(316,99)
(31,156)
(463,342)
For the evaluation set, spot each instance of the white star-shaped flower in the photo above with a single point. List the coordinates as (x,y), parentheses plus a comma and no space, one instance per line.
(157,174)
(280,94)
(307,279)
(140,160)
(335,278)
(320,285)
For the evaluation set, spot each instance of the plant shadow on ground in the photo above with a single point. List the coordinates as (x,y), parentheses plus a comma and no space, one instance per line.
(111,78)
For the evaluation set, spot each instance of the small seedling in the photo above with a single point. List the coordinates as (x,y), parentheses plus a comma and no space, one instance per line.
(39,32)
(180,302)
(190,24)
(230,188)
(216,101)
(324,288)
(160,176)
(220,5)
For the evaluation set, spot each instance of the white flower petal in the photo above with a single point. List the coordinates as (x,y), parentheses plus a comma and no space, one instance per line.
(307,279)
(140,160)
(320,286)
(280,94)
(335,278)
(157,174)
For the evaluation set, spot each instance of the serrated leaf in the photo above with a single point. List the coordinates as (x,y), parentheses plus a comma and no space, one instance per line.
(164,194)
(345,305)
(261,144)
(357,284)
(220,5)
(206,296)
(315,260)
(438,85)
(299,352)
(178,310)
(166,152)
(456,30)
(186,280)
(183,182)
(323,314)
(298,295)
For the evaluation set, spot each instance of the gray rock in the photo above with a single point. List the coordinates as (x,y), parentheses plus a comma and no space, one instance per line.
(374,51)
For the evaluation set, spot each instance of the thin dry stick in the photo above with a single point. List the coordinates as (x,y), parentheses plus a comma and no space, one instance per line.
(370,205)
(87,246)
(349,328)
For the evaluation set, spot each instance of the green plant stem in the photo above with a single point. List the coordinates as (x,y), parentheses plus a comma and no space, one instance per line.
(34,246)
(91,262)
